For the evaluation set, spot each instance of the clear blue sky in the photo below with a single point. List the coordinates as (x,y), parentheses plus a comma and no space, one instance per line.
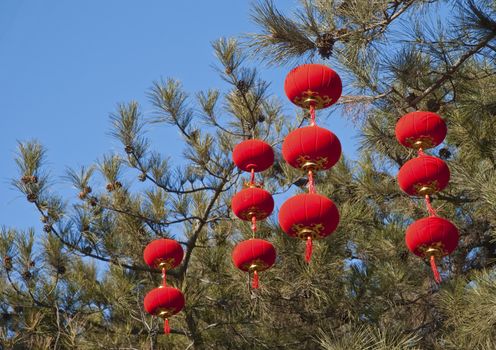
(64,65)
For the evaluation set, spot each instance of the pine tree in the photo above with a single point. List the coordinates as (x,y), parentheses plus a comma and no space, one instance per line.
(80,283)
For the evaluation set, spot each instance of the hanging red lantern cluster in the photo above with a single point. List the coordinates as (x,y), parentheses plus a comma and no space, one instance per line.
(253,204)
(432,237)
(164,301)
(311,216)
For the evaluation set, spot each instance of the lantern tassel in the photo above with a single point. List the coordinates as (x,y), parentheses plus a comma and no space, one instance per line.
(437,276)
(308,251)
(311,183)
(312,115)
(166,326)
(254,225)
(252,176)
(430,209)
(255,279)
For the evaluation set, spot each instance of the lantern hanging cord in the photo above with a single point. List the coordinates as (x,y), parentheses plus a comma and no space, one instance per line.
(430,209)
(164,277)
(166,326)
(312,115)
(420,152)
(254,225)
(311,183)
(437,276)
(252,176)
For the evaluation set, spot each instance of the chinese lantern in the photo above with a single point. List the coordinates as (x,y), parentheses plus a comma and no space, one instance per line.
(420,130)
(252,204)
(164,254)
(253,155)
(432,237)
(164,302)
(254,255)
(311,147)
(423,175)
(313,85)
(308,216)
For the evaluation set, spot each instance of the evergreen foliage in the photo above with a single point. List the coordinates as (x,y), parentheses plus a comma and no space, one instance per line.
(80,283)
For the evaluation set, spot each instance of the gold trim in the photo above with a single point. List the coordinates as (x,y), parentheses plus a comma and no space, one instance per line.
(164,263)
(251,212)
(303,232)
(312,98)
(428,188)
(165,312)
(420,142)
(436,249)
(256,265)
(306,163)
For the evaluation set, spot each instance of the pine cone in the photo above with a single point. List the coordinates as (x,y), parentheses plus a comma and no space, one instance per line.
(433,105)
(142,177)
(44,219)
(27,275)
(87,250)
(444,153)
(82,195)
(242,86)
(34,179)
(110,187)
(32,197)
(32,263)
(325,44)
(61,269)
(26,179)
(117,185)
(93,201)
(261,118)
(129,149)
(7,262)
(47,228)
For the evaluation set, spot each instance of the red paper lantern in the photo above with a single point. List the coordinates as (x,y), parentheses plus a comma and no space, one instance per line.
(313,85)
(433,238)
(308,216)
(423,175)
(253,154)
(421,130)
(311,148)
(254,255)
(163,254)
(164,302)
(252,202)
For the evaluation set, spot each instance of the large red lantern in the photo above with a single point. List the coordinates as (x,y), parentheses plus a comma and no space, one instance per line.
(311,148)
(252,203)
(420,130)
(313,85)
(432,238)
(423,175)
(163,254)
(254,255)
(308,216)
(254,155)
(164,302)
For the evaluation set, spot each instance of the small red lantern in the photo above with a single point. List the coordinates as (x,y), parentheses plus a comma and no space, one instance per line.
(164,302)
(313,85)
(163,254)
(252,203)
(254,255)
(421,130)
(254,155)
(423,175)
(308,216)
(311,148)
(432,238)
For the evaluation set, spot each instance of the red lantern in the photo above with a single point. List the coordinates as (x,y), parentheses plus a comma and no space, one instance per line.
(254,255)
(252,203)
(423,175)
(433,238)
(164,302)
(163,254)
(311,148)
(421,130)
(313,85)
(253,155)
(308,216)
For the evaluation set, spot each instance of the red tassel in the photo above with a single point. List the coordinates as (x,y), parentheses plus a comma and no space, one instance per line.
(312,115)
(254,224)
(166,326)
(252,176)
(311,184)
(430,209)
(255,280)
(308,251)
(164,278)
(437,277)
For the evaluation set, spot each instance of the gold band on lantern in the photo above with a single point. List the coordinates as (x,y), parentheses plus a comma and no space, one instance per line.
(256,265)
(435,249)
(427,188)
(420,142)
(251,212)
(166,264)
(165,312)
(304,232)
(311,98)
(306,163)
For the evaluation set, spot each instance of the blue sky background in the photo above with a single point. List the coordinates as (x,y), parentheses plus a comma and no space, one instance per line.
(64,65)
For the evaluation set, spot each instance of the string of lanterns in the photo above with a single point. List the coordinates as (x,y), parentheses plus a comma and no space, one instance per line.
(311,216)
(432,237)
